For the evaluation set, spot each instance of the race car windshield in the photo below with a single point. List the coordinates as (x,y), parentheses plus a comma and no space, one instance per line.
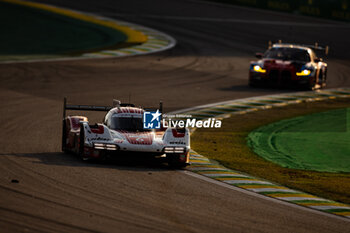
(133,124)
(288,54)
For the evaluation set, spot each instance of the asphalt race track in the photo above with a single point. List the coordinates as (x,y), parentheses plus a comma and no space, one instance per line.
(44,190)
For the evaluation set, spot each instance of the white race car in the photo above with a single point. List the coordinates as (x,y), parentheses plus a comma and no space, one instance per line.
(121,134)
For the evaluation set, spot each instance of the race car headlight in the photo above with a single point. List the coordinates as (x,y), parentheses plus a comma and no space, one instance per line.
(174,149)
(258,69)
(102,146)
(304,72)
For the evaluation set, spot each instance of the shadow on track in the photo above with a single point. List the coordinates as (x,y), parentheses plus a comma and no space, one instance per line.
(132,163)
(261,89)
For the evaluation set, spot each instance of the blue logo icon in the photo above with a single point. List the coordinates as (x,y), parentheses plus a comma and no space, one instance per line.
(151,120)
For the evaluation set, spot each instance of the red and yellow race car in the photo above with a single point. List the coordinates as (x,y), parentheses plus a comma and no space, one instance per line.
(289,65)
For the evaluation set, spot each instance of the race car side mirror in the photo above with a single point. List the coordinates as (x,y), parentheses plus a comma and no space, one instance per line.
(259,55)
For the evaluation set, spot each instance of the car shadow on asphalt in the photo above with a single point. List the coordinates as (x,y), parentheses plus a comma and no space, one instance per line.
(260,89)
(132,163)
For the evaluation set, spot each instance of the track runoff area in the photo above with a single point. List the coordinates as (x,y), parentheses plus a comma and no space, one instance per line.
(73,34)
(259,139)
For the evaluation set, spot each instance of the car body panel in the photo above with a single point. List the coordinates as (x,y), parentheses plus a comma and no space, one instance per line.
(308,71)
(108,139)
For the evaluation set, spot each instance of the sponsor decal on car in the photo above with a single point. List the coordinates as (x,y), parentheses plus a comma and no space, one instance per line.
(193,123)
(154,120)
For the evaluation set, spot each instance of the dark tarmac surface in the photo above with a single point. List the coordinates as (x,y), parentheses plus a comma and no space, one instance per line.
(58,193)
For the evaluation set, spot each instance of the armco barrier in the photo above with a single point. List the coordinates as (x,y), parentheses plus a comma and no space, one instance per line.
(331,9)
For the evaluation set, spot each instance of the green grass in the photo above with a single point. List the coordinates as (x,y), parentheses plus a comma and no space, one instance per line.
(228,146)
(318,142)
(31,31)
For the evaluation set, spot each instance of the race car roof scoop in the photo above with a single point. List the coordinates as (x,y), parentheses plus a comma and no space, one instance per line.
(116,103)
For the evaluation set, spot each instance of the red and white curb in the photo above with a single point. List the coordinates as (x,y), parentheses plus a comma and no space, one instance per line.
(211,169)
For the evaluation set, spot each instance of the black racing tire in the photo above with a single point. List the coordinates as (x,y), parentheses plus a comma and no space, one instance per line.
(324,79)
(312,86)
(64,136)
(173,161)
(81,143)
(251,84)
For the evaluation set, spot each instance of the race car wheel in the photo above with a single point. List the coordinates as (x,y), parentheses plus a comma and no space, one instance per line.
(174,161)
(81,143)
(312,85)
(64,136)
(251,84)
(323,78)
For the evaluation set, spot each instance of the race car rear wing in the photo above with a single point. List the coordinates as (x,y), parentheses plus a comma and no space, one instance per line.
(83,107)
(316,47)
(98,108)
